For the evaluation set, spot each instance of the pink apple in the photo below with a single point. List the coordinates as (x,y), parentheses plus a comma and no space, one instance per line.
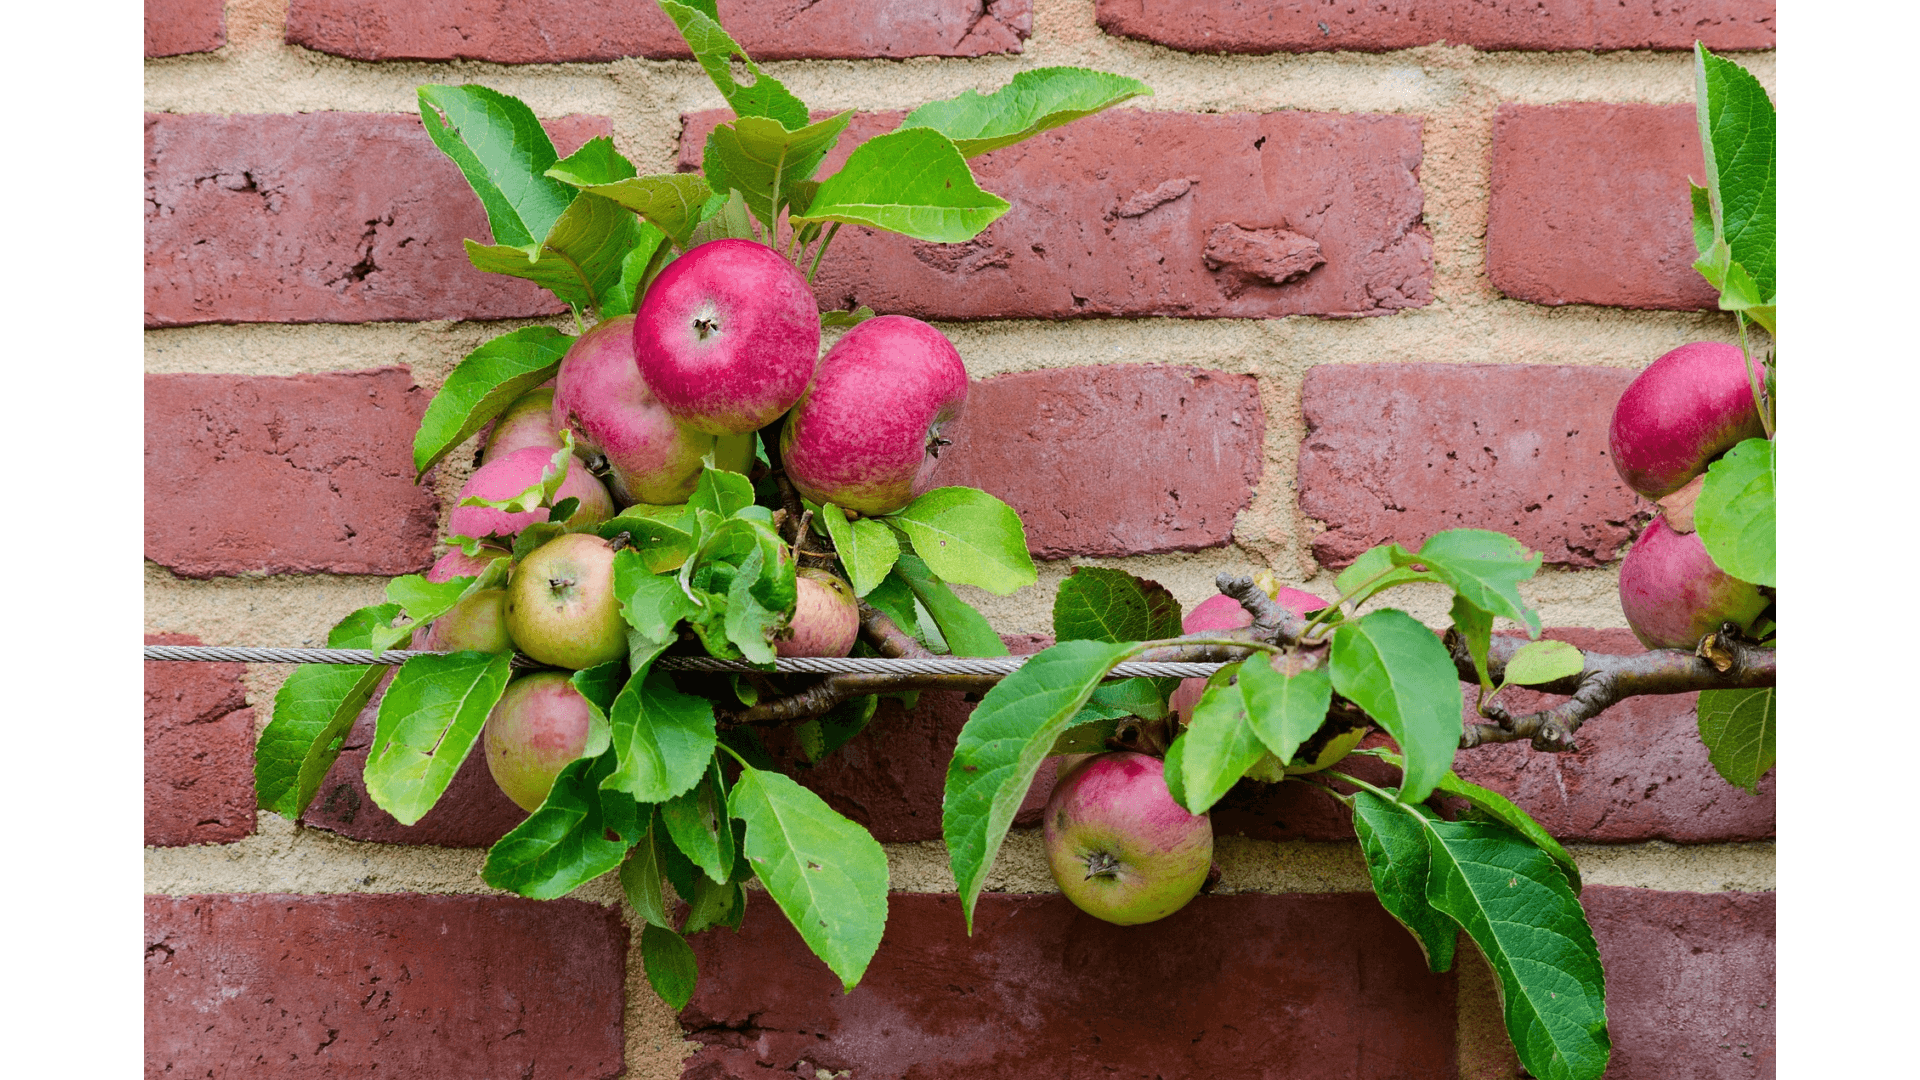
(599,394)
(826,617)
(1689,407)
(1673,594)
(478,622)
(527,422)
(508,476)
(561,607)
(1223,612)
(457,563)
(539,725)
(865,436)
(1119,847)
(727,336)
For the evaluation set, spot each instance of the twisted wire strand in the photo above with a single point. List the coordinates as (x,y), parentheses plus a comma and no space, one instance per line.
(796,665)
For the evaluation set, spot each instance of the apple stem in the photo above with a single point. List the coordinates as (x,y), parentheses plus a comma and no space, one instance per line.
(822,250)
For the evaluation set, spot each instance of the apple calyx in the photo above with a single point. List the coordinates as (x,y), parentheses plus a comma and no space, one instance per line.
(1102,864)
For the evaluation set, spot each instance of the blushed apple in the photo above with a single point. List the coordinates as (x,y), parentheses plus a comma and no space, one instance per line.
(477,623)
(826,617)
(1223,612)
(600,396)
(1689,407)
(1118,845)
(1672,593)
(457,563)
(561,606)
(509,476)
(527,422)
(539,725)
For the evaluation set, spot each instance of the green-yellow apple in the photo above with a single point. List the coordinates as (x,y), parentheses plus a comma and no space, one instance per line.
(561,607)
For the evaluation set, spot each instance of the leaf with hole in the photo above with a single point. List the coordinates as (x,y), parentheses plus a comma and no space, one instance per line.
(761,94)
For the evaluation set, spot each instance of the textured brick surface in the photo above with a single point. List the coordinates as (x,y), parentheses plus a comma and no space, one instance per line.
(416,986)
(1589,205)
(1325,986)
(587,30)
(472,812)
(1156,213)
(1398,452)
(1641,772)
(199,751)
(1260,26)
(185,26)
(1690,982)
(286,475)
(319,217)
(1120,460)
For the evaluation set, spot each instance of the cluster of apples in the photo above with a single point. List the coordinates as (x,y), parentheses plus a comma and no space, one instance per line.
(1686,410)
(725,342)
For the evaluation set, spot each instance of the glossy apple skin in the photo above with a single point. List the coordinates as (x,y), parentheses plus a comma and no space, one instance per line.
(600,395)
(1116,806)
(727,336)
(539,725)
(515,473)
(478,623)
(1223,612)
(1673,594)
(860,436)
(1689,407)
(527,422)
(561,607)
(826,617)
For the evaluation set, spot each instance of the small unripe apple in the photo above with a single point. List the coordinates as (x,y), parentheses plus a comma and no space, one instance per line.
(509,476)
(1118,845)
(527,422)
(478,622)
(1672,593)
(539,725)
(561,606)
(601,397)
(826,617)
(867,434)
(727,336)
(1689,407)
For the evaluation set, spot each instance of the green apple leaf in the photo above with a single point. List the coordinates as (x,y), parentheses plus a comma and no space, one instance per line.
(1541,662)
(832,730)
(538,495)
(671,202)
(1482,566)
(750,623)
(1497,807)
(504,153)
(1735,512)
(714,905)
(659,546)
(1220,745)
(650,254)
(1399,672)
(581,259)
(1142,697)
(894,598)
(837,319)
(564,843)
(722,492)
(1395,847)
(966,631)
(662,738)
(827,874)
(653,604)
(866,548)
(912,181)
(599,685)
(312,713)
(425,601)
(764,161)
(428,721)
(725,216)
(480,387)
(1284,710)
(1475,627)
(641,872)
(1001,747)
(761,95)
(1112,605)
(969,537)
(697,822)
(1702,216)
(1738,728)
(671,968)
(1737,141)
(1375,572)
(1033,102)
(357,629)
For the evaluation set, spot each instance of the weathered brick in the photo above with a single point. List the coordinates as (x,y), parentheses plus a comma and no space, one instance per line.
(1240,985)
(199,751)
(185,26)
(471,813)
(319,217)
(1641,772)
(286,475)
(1245,26)
(593,30)
(1589,205)
(1398,452)
(1112,460)
(1690,982)
(1159,213)
(365,985)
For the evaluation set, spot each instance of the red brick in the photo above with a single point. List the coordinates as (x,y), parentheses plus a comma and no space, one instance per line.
(319,217)
(1398,452)
(471,813)
(185,26)
(1641,772)
(199,751)
(1119,460)
(286,475)
(1589,205)
(417,986)
(593,30)
(1690,982)
(1248,985)
(1244,26)
(1117,214)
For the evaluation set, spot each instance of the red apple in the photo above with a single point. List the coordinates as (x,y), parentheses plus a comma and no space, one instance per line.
(515,473)
(826,617)
(561,607)
(1118,845)
(539,725)
(527,422)
(457,563)
(1689,407)
(600,395)
(727,336)
(1672,593)
(477,623)
(866,435)
(1223,612)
